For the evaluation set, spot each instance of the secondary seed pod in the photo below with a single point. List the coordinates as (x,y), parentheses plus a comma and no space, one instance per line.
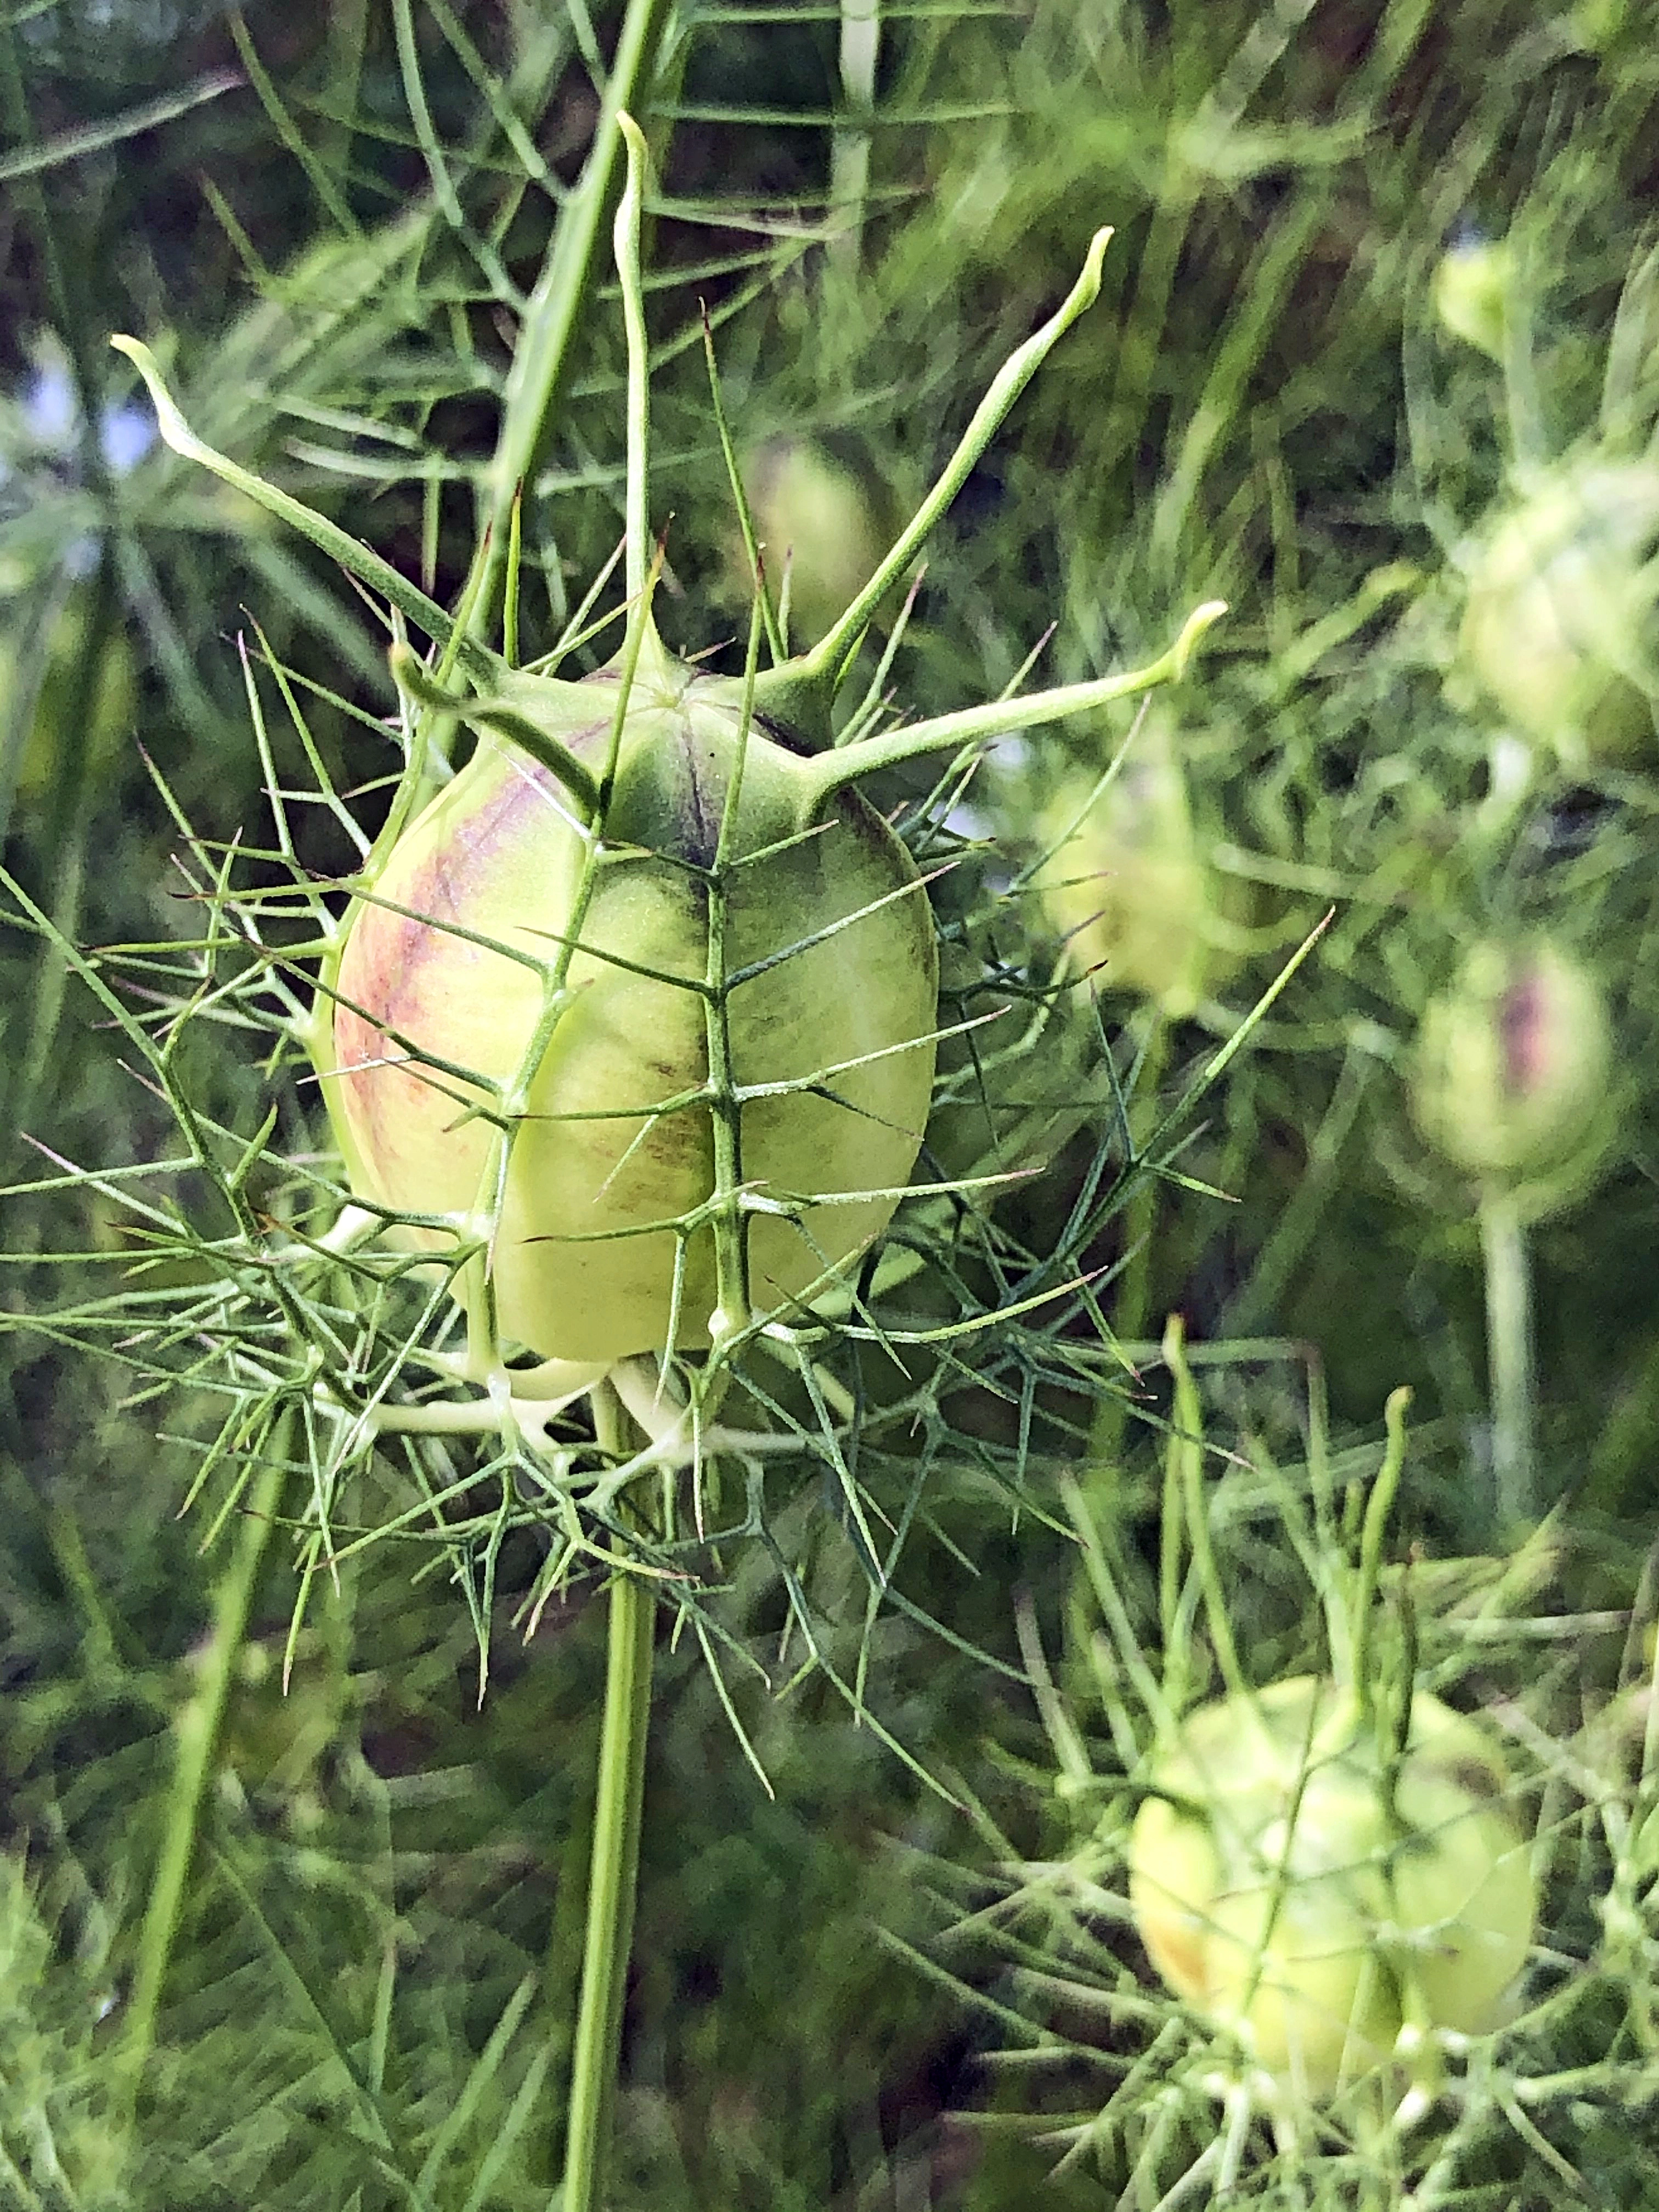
(1510,1077)
(1292,1884)
(1561,625)
(1129,885)
(814,514)
(547,1027)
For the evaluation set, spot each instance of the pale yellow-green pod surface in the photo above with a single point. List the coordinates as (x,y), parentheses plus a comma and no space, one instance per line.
(1128,883)
(1287,1887)
(1561,625)
(1511,1075)
(574,1120)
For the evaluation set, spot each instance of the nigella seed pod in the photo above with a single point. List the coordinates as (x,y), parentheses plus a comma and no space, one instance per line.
(523,1008)
(1127,883)
(1561,625)
(632,1028)
(1509,1078)
(1294,1881)
(813,517)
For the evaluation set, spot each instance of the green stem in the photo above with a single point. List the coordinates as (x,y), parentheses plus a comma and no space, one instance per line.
(849,155)
(1129,1305)
(64,262)
(196,1728)
(1508,1359)
(625,232)
(1185,1463)
(352,555)
(614,1867)
(827,657)
(802,691)
(67,836)
(541,358)
(998,718)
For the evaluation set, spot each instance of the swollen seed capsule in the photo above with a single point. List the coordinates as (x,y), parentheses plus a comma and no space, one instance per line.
(1128,884)
(1289,1886)
(1562,621)
(521,1033)
(812,515)
(1510,1077)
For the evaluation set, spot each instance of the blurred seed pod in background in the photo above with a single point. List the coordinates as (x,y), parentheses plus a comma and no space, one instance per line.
(1127,881)
(1299,1885)
(1561,624)
(812,512)
(1511,1075)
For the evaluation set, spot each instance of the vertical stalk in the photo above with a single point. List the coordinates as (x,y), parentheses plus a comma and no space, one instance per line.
(1378,1508)
(197,1727)
(1184,1460)
(66,839)
(625,237)
(541,358)
(614,1866)
(1134,1285)
(849,155)
(1509,1358)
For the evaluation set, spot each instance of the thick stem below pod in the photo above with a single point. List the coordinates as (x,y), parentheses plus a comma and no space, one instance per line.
(613,1879)
(1509,1358)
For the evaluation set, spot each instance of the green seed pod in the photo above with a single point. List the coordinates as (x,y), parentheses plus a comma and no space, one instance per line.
(1509,1079)
(1290,1885)
(1127,882)
(814,514)
(1561,625)
(494,984)
(633,1027)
